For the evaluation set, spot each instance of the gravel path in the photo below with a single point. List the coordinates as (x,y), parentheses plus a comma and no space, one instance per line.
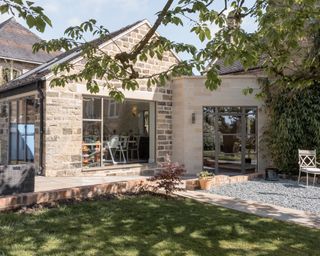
(284,193)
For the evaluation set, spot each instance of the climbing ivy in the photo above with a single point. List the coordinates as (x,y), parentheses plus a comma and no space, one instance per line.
(294,123)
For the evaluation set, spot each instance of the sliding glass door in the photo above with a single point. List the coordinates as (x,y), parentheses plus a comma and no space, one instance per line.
(117,132)
(229,139)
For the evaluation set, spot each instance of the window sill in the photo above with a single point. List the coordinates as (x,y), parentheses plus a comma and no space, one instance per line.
(121,166)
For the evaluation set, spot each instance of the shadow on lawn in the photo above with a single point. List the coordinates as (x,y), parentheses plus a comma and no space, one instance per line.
(147,225)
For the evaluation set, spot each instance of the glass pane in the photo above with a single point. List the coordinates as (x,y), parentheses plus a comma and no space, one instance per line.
(31,110)
(251,121)
(6,74)
(251,144)
(22,111)
(21,142)
(229,109)
(129,120)
(208,138)
(13,112)
(229,124)
(250,162)
(30,147)
(91,132)
(30,130)
(229,162)
(230,144)
(92,108)
(91,155)
(13,142)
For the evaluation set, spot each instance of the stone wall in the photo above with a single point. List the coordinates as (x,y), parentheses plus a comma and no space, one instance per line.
(63,110)
(21,66)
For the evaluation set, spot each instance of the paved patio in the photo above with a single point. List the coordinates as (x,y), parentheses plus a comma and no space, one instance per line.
(53,183)
(259,209)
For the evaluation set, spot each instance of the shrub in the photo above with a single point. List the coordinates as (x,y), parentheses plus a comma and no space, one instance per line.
(169,178)
(205,174)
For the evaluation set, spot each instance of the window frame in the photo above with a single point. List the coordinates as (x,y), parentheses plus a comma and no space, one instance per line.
(152,139)
(18,102)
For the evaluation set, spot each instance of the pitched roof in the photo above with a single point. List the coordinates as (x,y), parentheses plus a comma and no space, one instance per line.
(236,67)
(16,43)
(41,71)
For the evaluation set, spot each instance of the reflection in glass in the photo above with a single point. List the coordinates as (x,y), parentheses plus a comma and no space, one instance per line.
(119,135)
(229,124)
(232,147)
(208,138)
(229,109)
(251,121)
(31,110)
(13,111)
(91,108)
(22,111)
(251,144)
(22,130)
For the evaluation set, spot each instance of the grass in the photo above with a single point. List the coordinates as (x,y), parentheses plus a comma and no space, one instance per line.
(148,225)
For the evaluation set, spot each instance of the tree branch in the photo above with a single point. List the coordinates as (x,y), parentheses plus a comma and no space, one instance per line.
(125,57)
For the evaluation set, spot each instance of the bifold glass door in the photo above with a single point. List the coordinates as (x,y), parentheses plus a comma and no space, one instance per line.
(229,139)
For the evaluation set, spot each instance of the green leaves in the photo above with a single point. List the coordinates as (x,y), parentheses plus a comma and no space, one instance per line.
(294,121)
(34,15)
(202,31)
(286,44)
(213,80)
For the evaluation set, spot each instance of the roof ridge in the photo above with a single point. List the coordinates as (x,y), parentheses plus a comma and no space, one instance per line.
(39,72)
(15,22)
(7,21)
(106,38)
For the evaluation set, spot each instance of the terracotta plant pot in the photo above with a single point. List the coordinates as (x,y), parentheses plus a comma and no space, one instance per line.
(206,183)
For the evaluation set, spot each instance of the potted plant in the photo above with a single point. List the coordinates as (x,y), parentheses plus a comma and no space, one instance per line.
(205,179)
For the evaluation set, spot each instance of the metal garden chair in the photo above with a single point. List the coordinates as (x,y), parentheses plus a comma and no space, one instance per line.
(308,164)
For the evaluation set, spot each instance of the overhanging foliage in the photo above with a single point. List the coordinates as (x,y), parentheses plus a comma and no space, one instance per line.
(293,123)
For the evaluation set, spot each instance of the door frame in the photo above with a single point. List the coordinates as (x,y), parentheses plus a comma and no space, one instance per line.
(243,133)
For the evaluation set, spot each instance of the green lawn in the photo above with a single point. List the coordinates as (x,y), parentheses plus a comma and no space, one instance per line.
(147,225)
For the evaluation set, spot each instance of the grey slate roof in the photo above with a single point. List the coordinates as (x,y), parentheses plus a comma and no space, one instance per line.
(41,71)
(16,43)
(236,67)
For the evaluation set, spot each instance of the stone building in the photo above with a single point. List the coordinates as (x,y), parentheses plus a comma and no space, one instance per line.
(68,131)
(16,56)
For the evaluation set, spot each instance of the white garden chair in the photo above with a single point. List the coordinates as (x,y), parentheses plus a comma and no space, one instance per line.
(308,164)
(115,146)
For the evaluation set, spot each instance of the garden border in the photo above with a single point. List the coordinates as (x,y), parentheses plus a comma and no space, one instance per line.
(80,192)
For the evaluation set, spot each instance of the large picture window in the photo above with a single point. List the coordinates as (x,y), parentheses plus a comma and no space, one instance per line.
(22,130)
(116,133)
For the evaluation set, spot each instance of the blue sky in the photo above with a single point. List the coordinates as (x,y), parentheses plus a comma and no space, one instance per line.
(114,14)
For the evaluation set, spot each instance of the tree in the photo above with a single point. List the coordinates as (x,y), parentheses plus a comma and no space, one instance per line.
(33,14)
(286,43)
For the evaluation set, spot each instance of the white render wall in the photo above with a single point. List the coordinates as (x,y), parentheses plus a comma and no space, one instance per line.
(190,96)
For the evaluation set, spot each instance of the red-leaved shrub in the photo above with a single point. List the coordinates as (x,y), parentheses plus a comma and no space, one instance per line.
(169,178)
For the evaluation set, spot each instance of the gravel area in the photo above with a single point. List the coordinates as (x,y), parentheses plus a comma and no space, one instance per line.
(286,193)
